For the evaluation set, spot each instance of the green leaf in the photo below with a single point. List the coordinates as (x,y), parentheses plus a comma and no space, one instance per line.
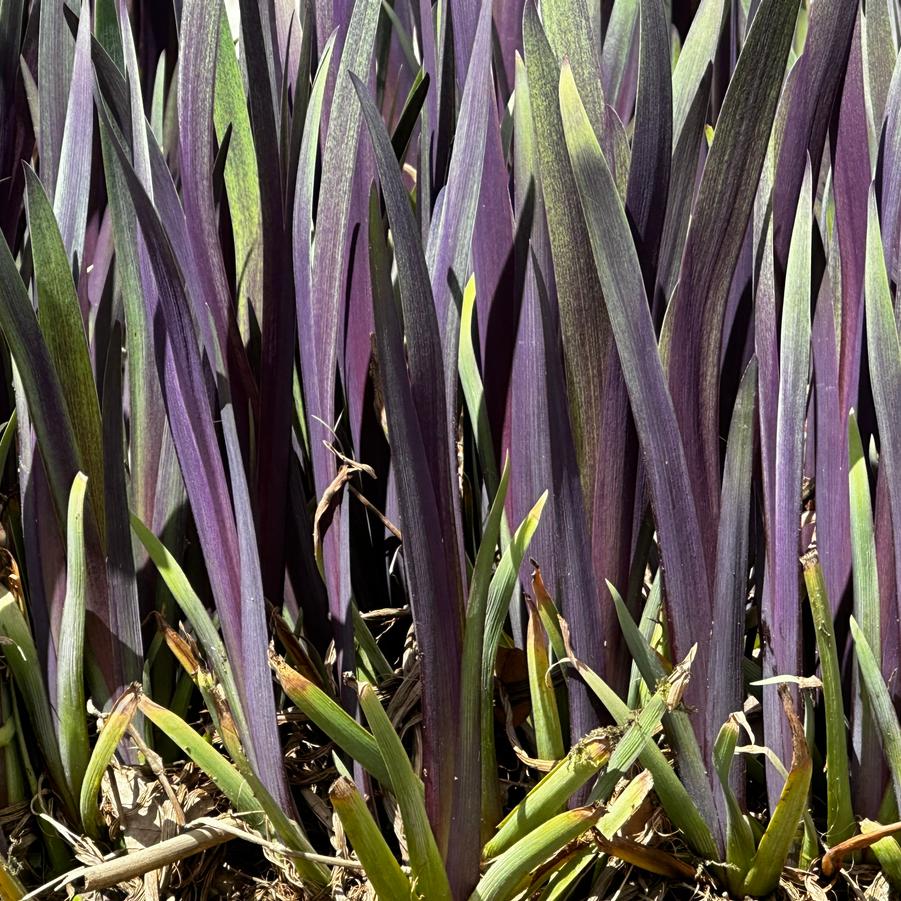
(472,696)
(677,723)
(194,611)
(289,831)
(649,628)
(59,315)
(379,864)
(473,390)
(106,28)
(881,55)
(639,732)
(626,804)
(158,100)
(740,844)
(568,876)
(582,762)
(619,44)
(572,35)
(150,447)
(880,703)
(696,55)
(679,805)
(887,852)
(22,659)
(550,795)
(332,719)
(506,875)
(545,715)
(115,725)
(241,178)
(425,859)
(369,653)
(70,697)
(885,364)
(227,778)
(499,593)
(547,610)
(840,814)
(865,578)
(775,846)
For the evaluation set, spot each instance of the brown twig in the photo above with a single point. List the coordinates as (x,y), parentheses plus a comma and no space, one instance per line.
(835,856)
(393,529)
(121,869)
(205,834)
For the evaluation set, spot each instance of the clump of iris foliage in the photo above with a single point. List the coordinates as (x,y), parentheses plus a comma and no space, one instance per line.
(502,401)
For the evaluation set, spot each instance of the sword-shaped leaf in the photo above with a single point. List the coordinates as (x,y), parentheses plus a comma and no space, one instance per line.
(885,367)
(60,319)
(70,696)
(655,420)
(715,238)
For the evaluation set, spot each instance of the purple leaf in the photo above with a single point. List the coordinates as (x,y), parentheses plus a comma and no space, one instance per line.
(425,544)
(70,199)
(196,81)
(465,15)
(781,610)
(890,177)
(851,175)
(684,171)
(125,618)
(619,61)
(885,376)
(683,560)
(420,322)
(833,506)
(598,402)
(818,77)
(567,548)
(725,693)
(497,297)
(197,75)
(331,245)
(54,71)
(191,422)
(46,402)
(265,69)
(719,222)
(649,172)
(450,239)
(508,25)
